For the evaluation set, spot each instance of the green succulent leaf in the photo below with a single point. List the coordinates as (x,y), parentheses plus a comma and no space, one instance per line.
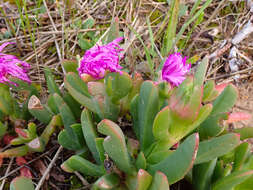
(222,104)
(218,171)
(3,129)
(161,124)
(204,112)
(103,104)
(77,84)
(225,101)
(230,181)
(140,182)
(70,66)
(213,126)
(158,156)
(73,105)
(117,85)
(126,102)
(67,117)
(160,182)
(134,114)
(50,128)
(249,163)
(178,163)
(100,148)
(77,163)
(245,132)
(115,145)
(199,76)
(144,180)
(141,162)
(107,182)
(79,91)
(67,142)
(202,175)
(178,129)
(148,107)
(15,152)
(216,147)
(52,105)
(210,93)
(110,110)
(245,185)
(241,154)
(6,101)
(21,183)
(90,134)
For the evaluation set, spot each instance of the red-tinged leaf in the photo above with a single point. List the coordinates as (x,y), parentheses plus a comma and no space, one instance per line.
(221,87)
(20,161)
(238,116)
(175,146)
(23,171)
(8,138)
(21,132)
(96,88)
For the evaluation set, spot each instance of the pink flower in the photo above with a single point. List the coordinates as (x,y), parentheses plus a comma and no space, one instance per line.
(174,69)
(11,66)
(99,59)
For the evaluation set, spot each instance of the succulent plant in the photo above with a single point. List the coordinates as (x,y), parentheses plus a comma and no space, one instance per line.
(22,183)
(30,141)
(189,116)
(175,131)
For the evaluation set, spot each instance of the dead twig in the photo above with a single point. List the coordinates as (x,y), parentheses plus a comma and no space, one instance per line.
(7,171)
(231,74)
(84,181)
(15,170)
(49,168)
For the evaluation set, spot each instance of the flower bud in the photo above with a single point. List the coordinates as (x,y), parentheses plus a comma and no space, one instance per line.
(185,101)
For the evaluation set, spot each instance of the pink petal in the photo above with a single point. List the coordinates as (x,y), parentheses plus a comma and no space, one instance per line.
(98,59)
(174,69)
(11,66)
